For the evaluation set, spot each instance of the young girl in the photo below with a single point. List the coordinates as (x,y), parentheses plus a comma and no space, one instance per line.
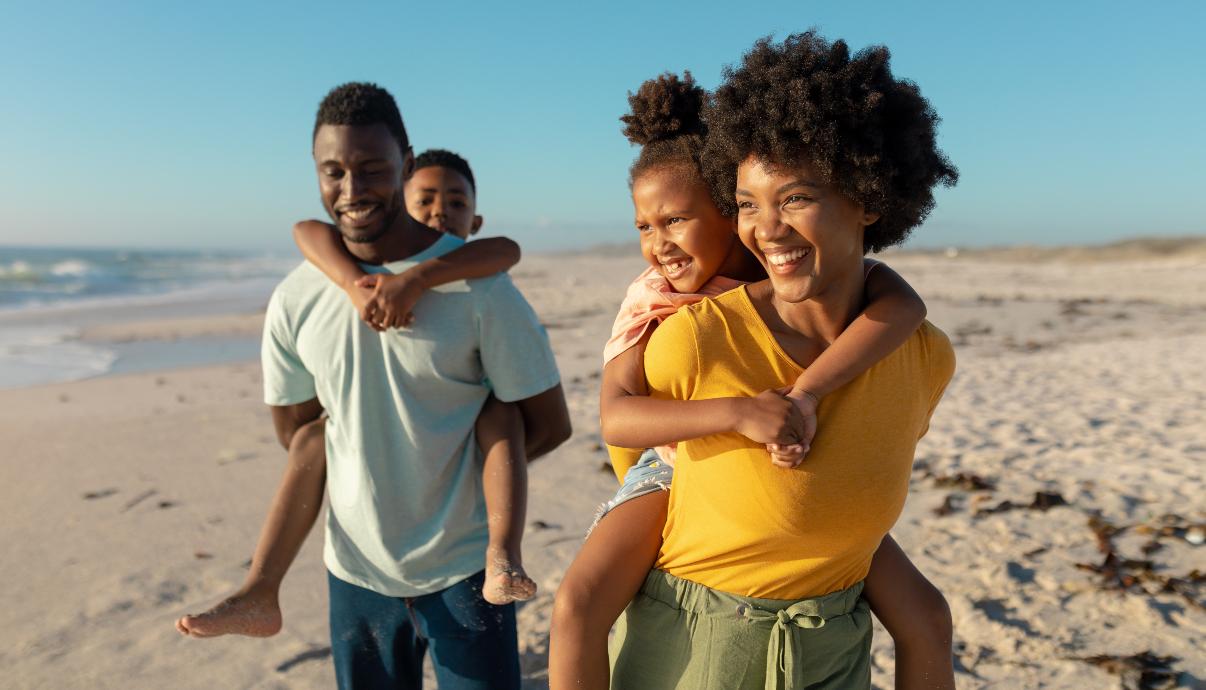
(694,253)
(384,301)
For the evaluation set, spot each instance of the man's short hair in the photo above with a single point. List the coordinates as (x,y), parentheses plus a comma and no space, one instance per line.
(443,158)
(362,103)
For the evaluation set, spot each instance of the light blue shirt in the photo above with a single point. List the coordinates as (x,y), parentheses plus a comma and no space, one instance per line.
(407,516)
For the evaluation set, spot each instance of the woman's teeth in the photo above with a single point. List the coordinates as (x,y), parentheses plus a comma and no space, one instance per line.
(784,258)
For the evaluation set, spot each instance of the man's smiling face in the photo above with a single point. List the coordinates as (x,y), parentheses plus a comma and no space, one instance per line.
(361,171)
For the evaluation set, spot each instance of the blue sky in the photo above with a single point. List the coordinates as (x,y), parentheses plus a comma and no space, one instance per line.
(188,124)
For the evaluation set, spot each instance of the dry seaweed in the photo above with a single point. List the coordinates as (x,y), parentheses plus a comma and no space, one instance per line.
(1142,671)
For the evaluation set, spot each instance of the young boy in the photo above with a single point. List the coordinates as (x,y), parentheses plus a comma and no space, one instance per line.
(441,193)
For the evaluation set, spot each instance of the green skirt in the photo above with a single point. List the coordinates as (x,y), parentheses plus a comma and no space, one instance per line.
(682,635)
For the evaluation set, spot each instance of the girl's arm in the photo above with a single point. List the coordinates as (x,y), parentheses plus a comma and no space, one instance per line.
(385,300)
(894,311)
(631,419)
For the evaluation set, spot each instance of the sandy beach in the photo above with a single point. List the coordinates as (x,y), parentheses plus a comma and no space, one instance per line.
(1057,500)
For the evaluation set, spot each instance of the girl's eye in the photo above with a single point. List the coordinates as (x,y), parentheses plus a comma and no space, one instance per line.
(797,198)
(742,205)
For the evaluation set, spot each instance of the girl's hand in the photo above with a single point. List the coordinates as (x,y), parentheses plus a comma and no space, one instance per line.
(769,418)
(392,300)
(789,456)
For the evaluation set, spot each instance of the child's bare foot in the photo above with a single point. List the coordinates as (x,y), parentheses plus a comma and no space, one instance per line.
(506,580)
(251,611)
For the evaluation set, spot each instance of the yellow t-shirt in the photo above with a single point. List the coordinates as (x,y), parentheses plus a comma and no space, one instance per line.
(740,525)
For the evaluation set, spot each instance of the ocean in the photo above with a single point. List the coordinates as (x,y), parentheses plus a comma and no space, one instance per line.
(49,295)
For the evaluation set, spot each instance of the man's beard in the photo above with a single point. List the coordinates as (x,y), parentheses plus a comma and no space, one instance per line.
(389,215)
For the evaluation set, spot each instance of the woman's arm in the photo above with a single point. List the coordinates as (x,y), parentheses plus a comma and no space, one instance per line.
(893,313)
(631,419)
(386,300)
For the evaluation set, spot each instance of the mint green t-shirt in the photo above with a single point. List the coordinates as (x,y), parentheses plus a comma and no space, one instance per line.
(407,516)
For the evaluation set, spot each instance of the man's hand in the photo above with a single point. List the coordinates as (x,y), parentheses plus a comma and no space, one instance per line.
(769,418)
(392,299)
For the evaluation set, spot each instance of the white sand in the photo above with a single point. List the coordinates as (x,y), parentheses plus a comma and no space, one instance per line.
(1101,400)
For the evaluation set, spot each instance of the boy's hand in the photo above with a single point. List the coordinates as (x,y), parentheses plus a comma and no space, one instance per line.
(769,417)
(362,300)
(393,299)
(792,455)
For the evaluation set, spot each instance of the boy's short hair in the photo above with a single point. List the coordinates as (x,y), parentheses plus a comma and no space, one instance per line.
(362,103)
(806,100)
(443,158)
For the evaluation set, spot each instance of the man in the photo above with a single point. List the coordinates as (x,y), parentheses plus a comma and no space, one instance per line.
(406,528)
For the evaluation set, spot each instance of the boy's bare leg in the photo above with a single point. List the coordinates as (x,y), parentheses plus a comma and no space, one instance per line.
(604,577)
(254,609)
(916,615)
(505,483)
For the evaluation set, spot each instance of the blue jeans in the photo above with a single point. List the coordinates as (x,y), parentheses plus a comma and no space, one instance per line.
(379,641)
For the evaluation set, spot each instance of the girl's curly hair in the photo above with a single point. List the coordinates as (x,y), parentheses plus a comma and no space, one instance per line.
(666,121)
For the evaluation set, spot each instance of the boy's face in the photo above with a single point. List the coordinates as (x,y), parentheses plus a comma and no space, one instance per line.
(441,198)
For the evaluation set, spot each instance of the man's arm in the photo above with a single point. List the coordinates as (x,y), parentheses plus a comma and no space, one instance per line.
(287,419)
(546,422)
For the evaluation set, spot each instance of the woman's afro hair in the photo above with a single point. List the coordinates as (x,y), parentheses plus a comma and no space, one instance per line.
(806,100)
(666,121)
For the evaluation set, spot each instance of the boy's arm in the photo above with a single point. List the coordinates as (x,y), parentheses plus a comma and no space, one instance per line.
(394,296)
(319,242)
(386,300)
(894,311)
(632,419)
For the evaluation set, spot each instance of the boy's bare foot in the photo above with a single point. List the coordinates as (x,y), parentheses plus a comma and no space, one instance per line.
(506,580)
(251,611)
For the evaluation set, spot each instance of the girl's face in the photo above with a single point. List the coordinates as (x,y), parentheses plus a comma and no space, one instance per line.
(807,235)
(683,235)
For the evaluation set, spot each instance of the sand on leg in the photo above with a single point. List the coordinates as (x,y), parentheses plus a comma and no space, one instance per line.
(254,610)
(604,577)
(500,435)
(916,615)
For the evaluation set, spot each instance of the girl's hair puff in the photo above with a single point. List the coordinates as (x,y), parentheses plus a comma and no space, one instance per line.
(666,121)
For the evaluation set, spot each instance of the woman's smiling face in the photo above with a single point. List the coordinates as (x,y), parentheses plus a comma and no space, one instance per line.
(806,233)
(683,235)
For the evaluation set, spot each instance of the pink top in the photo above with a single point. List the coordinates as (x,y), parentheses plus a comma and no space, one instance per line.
(651,299)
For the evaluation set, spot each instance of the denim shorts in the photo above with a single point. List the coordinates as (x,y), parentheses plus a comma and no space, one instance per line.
(648,475)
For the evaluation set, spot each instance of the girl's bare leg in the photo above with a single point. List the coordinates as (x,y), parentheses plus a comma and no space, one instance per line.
(255,609)
(916,615)
(604,577)
(505,483)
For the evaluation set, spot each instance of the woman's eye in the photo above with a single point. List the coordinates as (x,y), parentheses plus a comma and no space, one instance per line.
(797,198)
(742,205)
